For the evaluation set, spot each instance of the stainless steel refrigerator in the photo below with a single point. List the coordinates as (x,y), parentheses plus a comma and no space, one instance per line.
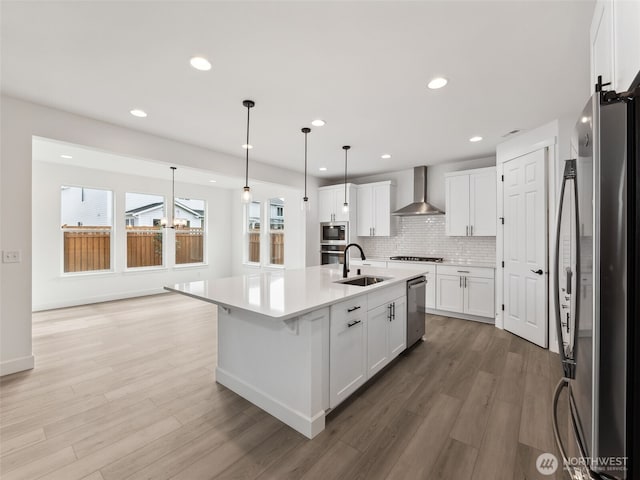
(597,302)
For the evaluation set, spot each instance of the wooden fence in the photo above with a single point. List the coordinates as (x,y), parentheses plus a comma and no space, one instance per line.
(87,248)
(277,247)
(144,247)
(189,245)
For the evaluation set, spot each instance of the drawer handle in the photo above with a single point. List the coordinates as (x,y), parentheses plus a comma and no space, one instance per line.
(463,271)
(355,322)
(352,309)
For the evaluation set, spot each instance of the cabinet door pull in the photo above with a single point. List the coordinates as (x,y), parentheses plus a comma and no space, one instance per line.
(465,282)
(389,312)
(355,322)
(460,285)
(471,230)
(393,310)
(467,230)
(352,309)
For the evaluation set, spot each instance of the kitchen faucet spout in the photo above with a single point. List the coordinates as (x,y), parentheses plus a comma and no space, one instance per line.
(345,267)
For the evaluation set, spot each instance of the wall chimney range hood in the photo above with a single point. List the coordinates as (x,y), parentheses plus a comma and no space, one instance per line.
(419,205)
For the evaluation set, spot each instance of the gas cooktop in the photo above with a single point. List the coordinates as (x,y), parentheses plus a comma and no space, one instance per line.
(418,259)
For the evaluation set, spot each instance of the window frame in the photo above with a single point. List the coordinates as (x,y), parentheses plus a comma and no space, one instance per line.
(112,231)
(205,236)
(163,265)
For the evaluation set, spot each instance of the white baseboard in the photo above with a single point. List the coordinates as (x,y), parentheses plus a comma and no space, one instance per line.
(308,426)
(464,316)
(16,365)
(96,299)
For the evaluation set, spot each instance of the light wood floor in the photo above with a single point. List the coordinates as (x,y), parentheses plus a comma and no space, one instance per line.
(126,389)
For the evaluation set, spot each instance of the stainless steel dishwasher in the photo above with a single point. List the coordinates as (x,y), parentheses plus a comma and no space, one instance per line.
(416,290)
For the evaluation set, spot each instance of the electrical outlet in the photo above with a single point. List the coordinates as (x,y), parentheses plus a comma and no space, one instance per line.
(11,256)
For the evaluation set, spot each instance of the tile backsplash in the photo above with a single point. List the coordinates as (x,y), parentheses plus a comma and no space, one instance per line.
(424,236)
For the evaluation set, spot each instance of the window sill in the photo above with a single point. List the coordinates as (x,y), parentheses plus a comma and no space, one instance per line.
(186,266)
(88,273)
(134,270)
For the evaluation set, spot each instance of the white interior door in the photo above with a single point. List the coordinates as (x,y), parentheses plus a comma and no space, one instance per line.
(525,247)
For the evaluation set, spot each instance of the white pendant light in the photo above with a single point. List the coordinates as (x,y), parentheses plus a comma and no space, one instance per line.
(305,200)
(246,192)
(345,205)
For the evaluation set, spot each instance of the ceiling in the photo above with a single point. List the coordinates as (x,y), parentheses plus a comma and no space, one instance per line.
(361,66)
(52,151)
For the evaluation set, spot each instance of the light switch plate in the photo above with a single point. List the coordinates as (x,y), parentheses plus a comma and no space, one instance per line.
(11,256)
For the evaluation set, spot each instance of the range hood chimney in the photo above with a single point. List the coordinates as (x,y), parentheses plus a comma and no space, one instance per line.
(419,205)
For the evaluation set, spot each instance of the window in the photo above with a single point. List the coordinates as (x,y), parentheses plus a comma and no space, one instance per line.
(253,232)
(87,225)
(190,235)
(276,231)
(145,237)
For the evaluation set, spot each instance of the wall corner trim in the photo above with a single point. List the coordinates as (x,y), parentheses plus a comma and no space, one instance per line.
(17,365)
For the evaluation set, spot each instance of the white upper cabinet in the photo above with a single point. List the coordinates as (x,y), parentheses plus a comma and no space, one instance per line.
(471,203)
(375,203)
(615,43)
(331,201)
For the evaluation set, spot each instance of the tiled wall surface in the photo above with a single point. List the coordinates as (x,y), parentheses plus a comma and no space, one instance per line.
(424,236)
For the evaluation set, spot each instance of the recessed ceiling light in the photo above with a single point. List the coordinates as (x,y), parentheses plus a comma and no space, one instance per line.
(213,181)
(246,146)
(318,123)
(437,82)
(200,63)
(475,139)
(385,156)
(136,112)
(323,169)
(66,156)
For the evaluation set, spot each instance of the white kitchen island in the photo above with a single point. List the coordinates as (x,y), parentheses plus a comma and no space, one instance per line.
(296,343)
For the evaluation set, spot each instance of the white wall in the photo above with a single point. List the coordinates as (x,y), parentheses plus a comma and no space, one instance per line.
(52,289)
(19,122)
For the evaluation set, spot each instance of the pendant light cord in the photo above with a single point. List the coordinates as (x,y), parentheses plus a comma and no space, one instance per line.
(305,164)
(346,149)
(173,196)
(246,170)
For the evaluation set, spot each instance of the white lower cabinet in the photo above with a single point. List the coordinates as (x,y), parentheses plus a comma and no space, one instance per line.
(398,328)
(386,333)
(450,295)
(347,348)
(378,322)
(467,290)
(363,341)
(479,295)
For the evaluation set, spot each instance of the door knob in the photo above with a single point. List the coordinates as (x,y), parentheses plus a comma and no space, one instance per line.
(538,272)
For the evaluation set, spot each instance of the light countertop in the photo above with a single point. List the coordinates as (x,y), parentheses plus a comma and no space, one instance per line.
(459,263)
(287,293)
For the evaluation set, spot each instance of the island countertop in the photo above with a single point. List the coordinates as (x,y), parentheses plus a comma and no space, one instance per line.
(287,293)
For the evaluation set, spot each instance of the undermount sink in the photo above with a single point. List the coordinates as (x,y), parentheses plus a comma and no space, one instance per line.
(363,281)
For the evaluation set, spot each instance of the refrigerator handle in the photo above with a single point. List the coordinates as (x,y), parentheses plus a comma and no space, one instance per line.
(569,174)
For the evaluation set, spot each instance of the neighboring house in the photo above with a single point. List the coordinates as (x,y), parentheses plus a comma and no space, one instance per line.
(86,207)
(152,213)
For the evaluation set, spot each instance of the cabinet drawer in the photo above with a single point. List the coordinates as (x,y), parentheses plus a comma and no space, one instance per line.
(462,271)
(344,312)
(386,295)
(367,263)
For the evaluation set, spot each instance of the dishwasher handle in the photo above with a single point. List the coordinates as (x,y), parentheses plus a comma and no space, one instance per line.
(416,282)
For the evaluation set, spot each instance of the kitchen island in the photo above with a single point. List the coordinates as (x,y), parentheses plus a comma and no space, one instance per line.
(296,343)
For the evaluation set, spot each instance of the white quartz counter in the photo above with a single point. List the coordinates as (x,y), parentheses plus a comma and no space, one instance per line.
(287,293)
(455,263)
